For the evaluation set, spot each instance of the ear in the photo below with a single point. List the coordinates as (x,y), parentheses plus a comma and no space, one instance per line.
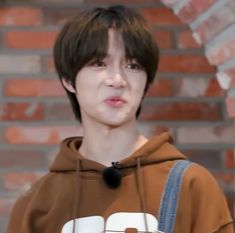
(68,85)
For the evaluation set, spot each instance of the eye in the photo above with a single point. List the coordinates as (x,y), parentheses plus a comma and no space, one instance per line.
(133,65)
(98,63)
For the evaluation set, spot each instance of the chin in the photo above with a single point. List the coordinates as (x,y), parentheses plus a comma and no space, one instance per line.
(114,119)
(115,123)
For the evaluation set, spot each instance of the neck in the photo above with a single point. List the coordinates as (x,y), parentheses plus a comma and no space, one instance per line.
(106,144)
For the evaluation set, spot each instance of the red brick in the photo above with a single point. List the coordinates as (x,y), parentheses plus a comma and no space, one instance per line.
(230,103)
(150,130)
(221,52)
(6,205)
(182,111)
(30,39)
(194,87)
(23,64)
(186,40)
(210,159)
(229,157)
(185,64)
(35,87)
(193,8)
(216,23)
(20,16)
(161,16)
(161,87)
(214,88)
(212,135)
(164,38)
(59,15)
(225,179)
(50,65)
(159,129)
(21,111)
(1,41)
(59,111)
(23,159)
(40,134)
(20,182)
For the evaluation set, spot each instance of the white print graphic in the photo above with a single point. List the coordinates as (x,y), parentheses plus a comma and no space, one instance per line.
(93,224)
(115,222)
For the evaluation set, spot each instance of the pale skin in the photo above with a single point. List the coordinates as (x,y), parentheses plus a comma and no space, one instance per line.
(109,93)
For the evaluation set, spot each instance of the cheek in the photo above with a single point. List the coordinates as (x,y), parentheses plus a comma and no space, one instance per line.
(139,86)
(83,96)
(84,88)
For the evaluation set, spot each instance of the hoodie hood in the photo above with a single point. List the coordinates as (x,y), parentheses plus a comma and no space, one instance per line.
(156,150)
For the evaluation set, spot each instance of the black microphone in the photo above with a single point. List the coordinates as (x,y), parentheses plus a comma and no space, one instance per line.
(112,176)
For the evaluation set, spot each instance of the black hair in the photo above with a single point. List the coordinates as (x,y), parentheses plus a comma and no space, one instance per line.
(85,37)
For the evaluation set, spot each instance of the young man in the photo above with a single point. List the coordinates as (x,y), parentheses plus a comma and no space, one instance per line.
(114,179)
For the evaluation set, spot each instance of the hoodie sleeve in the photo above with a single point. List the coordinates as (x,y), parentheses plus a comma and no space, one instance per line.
(18,215)
(202,204)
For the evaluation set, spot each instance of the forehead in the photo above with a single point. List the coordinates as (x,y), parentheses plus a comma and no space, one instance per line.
(115,42)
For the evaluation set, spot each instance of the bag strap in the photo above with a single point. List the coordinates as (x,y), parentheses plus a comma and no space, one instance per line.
(169,200)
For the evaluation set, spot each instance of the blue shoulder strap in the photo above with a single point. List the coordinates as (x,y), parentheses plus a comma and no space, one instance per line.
(169,200)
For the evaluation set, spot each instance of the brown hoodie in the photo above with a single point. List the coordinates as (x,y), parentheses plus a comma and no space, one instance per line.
(74,189)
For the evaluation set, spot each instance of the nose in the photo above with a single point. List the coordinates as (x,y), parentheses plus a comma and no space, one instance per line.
(116,79)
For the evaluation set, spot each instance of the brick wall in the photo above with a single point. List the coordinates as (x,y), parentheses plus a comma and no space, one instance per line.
(193,96)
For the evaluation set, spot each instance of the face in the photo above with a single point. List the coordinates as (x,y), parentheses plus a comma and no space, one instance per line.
(110,90)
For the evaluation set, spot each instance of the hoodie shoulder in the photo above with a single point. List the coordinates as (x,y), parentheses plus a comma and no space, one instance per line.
(25,198)
(37,201)
(204,201)
(22,205)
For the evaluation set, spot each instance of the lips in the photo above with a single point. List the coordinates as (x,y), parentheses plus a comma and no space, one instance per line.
(115,101)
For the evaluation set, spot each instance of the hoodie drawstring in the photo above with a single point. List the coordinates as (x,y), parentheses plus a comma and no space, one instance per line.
(77,193)
(139,187)
(141,193)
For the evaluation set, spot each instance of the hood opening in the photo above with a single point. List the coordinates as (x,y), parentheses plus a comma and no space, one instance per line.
(156,149)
